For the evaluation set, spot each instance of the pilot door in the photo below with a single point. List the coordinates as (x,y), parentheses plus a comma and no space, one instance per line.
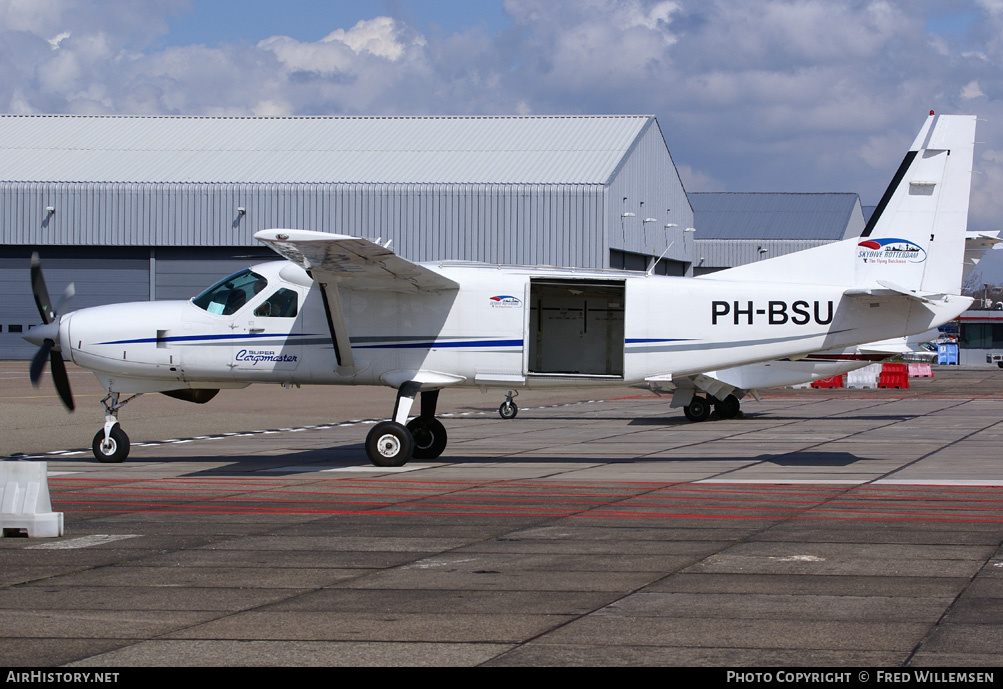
(576,328)
(268,335)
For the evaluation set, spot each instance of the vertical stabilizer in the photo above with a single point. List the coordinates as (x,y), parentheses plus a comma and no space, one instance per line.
(916,237)
(914,242)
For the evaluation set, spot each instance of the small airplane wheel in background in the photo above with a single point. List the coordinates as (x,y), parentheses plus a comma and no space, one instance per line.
(698,409)
(115,450)
(429,437)
(508,410)
(389,444)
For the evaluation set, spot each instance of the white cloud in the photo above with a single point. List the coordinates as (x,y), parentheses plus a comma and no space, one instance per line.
(971,90)
(338,51)
(698,181)
(56,40)
(379,36)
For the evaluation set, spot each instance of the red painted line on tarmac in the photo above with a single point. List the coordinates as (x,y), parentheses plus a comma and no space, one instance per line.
(909,503)
(809,516)
(249,482)
(422,508)
(571,516)
(814,510)
(274,491)
(222,508)
(752,488)
(603,498)
(820,504)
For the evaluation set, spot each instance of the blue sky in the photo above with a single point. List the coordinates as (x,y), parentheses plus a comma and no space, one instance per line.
(213,21)
(759,95)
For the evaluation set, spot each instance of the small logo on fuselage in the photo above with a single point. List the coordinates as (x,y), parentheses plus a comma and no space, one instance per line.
(256,356)
(505,301)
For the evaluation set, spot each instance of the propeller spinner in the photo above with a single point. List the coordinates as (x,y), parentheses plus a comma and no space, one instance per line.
(46,336)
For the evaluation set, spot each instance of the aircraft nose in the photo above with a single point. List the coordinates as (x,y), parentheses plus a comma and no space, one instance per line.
(41,333)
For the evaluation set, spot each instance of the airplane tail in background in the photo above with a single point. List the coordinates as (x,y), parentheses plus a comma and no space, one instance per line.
(914,242)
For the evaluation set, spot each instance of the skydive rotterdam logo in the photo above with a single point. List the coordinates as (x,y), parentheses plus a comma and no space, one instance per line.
(505,301)
(890,250)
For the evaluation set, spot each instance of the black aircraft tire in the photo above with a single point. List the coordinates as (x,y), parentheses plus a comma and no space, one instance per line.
(728,408)
(508,410)
(698,409)
(117,449)
(429,437)
(389,444)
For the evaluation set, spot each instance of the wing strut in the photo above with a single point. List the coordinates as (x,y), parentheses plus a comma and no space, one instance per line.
(336,322)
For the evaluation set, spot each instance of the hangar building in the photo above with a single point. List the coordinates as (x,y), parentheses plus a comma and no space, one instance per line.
(138,208)
(738,228)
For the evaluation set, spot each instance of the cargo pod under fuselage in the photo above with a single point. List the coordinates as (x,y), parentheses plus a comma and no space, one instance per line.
(576,328)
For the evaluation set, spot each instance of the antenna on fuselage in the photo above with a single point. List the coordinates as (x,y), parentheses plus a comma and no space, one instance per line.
(651,270)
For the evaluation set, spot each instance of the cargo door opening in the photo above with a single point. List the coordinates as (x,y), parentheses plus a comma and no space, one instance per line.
(576,328)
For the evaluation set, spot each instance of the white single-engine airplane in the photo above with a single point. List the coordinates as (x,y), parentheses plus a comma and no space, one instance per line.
(347,311)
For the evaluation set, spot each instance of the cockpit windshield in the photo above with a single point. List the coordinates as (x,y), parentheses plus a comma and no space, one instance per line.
(229,294)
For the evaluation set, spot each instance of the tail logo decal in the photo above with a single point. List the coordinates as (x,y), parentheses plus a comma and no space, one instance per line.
(890,250)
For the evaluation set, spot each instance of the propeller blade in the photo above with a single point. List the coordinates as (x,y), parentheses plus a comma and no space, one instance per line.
(47,347)
(61,380)
(38,362)
(38,289)
(64,300)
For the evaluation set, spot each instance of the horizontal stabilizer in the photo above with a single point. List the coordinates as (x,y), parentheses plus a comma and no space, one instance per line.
(352,262)
(890,289)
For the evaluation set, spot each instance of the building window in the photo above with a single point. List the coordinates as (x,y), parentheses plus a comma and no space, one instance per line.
(981,335)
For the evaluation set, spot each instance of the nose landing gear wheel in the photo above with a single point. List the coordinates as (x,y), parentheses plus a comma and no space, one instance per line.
(508,410)
(389,444)
(429,437)
(115,449)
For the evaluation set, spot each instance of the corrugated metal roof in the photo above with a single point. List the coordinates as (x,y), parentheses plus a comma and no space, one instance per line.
(726,215)
(394,150)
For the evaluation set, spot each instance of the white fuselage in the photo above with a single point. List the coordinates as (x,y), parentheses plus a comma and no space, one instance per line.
(503,327)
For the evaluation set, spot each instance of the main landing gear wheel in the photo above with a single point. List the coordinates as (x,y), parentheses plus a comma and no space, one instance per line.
(698,409)
(508,410)
(429,437)
(113,450)
(728,408)
(389,444)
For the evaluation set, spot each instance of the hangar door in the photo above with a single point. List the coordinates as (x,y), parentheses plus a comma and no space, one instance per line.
(576,327)
(101,275)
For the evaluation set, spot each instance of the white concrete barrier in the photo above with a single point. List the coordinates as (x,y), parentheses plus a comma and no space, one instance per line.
(866,377)
(24,500)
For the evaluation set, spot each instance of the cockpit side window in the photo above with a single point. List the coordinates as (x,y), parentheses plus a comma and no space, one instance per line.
(283,304)
(229,294)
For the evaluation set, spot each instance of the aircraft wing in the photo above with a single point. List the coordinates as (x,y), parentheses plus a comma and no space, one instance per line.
(352,262)
(336,260)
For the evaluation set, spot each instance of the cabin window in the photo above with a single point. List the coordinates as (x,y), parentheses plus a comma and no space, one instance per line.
(228,295)
(283,304)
